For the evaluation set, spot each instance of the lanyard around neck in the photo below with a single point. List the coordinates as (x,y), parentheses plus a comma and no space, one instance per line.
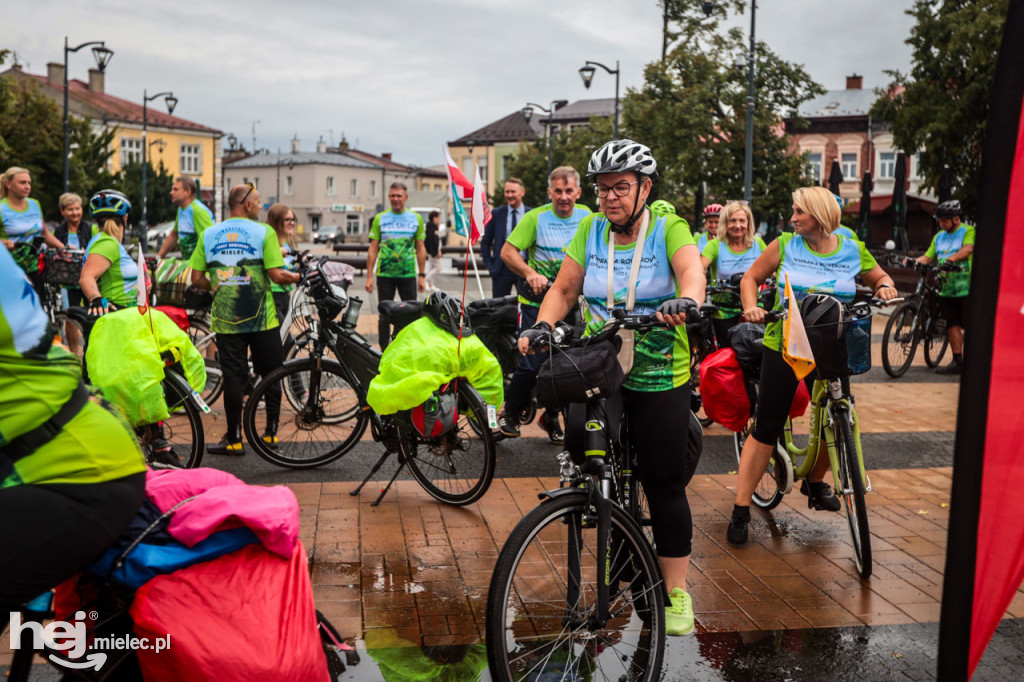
(634,270)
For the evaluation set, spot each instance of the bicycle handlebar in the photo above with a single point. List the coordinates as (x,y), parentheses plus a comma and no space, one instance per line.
(858,310)
(562,335)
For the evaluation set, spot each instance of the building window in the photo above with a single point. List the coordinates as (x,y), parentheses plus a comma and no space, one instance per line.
(131,150)
(192,158)
(554,129)
(330,185)
(915,172)
(352,224)
(288,187)
(373,189)
(887,165)
(849,163)
(506,161)
(314,223)
(353,187)
(481,161)
(438,187)
(467,167)
(814,166)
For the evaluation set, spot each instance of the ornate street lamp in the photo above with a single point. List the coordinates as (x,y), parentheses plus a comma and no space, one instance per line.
(587,74)
(171,102)
(102,55)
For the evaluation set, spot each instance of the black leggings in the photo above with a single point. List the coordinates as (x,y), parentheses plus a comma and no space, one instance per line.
(667,438)
(51,532)
(405,287)
(234,354)
(775,396)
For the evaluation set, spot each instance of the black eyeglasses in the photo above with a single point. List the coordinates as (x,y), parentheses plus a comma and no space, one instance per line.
(620,189)
(252,186)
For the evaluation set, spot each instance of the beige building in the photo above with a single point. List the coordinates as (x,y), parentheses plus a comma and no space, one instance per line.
(337,189)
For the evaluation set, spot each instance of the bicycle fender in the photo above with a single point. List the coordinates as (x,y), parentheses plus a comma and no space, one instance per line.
(560,492)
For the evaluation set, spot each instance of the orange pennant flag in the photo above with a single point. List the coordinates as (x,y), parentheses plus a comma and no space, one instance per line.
(796,349)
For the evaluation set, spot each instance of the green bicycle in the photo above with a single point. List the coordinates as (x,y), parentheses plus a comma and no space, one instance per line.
(833,420)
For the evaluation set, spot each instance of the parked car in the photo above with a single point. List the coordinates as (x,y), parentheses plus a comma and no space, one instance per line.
(156,236)
(326,234)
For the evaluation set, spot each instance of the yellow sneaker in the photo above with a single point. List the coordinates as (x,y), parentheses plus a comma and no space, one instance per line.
(679,613)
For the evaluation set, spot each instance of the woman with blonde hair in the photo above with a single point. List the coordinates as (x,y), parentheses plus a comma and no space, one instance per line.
(281,217)
(21,222)
(816,261)
(109,276)
(730,254)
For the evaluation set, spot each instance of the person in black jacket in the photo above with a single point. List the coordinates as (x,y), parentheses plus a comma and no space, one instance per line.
(74,232)
(503,221)
(432,244)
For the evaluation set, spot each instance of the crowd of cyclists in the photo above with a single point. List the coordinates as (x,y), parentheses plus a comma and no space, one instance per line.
(72,472)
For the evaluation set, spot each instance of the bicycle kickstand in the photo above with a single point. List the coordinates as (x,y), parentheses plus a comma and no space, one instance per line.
(374,470)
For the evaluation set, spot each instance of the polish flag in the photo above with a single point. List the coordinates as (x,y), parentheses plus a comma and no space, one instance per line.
(143,300)
(456,177)
(481,209)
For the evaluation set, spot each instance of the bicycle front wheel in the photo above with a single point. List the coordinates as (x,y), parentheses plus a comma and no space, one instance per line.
(177,442)
(543,595)
(320,418)
(899,341)
(456,467)
(774,480)
(206,343)
(851,482)
(935,349)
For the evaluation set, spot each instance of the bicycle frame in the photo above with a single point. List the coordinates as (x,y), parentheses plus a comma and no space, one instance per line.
(829,404)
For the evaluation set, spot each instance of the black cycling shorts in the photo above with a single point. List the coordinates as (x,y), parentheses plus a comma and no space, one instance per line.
(954,309)
(668,441)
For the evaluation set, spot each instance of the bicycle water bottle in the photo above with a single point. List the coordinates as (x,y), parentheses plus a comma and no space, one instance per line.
(858,346)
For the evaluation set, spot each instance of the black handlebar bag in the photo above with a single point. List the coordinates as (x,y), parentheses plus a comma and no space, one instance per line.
(577,375)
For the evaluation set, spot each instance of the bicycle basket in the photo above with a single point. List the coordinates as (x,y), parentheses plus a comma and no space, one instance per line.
(577,375)
(173,278)
(63,267)
(826,327)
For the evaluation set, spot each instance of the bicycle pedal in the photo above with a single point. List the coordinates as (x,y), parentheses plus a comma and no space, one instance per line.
(868,481)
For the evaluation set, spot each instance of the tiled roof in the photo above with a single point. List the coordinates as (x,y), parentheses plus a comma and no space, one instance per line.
(583,109)
(109,107)
(378,160)
(835,103)
(511,128)
(300,158)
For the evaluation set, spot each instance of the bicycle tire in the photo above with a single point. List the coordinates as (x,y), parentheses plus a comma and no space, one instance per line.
(851,482)
(900,339)
(457,467)
(63,324)
(640,509)
(178,441)
(323,428)
(206,343)
(774,481)
(935,349)
(533,625)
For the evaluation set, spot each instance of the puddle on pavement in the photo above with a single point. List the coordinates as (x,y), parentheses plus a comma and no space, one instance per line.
(845,653)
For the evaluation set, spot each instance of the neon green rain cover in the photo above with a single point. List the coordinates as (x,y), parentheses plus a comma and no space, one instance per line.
(123,359)
(424,357)
(413,664)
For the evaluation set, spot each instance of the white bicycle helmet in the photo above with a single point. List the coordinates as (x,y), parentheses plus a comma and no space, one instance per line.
(623,156)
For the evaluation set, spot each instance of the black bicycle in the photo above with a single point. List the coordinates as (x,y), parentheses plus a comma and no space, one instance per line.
(324,411)
(577,586)
(917,321)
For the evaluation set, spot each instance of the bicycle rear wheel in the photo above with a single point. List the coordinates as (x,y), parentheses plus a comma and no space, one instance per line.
(457,467)
(851,481)
(206,343)
(543,593)
(899,341)
(320,417)
(774,482)
(177,442)
(935,349)
(72,336)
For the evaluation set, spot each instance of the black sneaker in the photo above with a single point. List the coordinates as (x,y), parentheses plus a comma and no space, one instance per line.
(226,447)
(952,368)
(820,496)
(508,427)
(554,430)
(737,532)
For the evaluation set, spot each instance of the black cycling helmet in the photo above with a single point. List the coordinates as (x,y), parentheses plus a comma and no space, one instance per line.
(109,203)
(445,311)
(825,313)
(949,209)
(623,156)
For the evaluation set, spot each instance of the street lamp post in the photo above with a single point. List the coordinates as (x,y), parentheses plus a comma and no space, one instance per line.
(587,74)
(528,114)
(172,102)
(748,159)
(102,55)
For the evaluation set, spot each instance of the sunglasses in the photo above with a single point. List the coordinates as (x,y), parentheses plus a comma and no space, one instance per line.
(252,186)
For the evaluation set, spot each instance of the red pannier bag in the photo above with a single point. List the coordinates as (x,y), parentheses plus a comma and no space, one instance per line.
(178,315)
(248,615)
(723,390)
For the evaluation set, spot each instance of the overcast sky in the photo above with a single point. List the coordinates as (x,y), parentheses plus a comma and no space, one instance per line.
(404,76)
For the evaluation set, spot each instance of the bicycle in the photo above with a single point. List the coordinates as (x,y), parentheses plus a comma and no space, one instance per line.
(918,319)
(324,412)
(177,441)
(833,419)
(577,583)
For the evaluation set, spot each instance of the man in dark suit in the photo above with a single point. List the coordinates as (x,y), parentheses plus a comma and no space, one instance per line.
(503,221)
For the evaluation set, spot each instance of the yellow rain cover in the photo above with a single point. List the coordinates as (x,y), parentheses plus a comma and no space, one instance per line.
(424,357)
(123,359)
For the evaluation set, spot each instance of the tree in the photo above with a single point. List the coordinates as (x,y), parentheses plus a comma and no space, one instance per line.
(32,136)
(159,208)
(941,106)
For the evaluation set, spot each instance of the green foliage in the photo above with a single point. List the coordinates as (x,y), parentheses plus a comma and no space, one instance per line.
(943,105)
(31,136)
(159,208)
